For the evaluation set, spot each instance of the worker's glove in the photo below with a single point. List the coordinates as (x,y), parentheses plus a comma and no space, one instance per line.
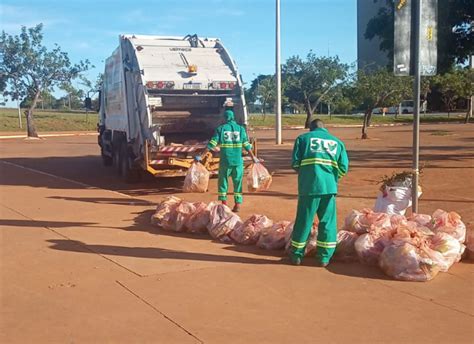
(256,160)
(197,158)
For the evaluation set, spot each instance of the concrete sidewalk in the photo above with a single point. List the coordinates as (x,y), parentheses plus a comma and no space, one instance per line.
(91,269)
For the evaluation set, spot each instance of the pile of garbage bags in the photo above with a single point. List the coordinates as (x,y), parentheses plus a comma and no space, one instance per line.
(218,220)
(414,248)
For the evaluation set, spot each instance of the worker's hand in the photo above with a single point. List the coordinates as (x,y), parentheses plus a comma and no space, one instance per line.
(198,158)
(256,160)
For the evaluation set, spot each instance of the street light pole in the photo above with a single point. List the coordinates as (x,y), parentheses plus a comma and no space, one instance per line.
(416,110)
(278,76)
(471,65)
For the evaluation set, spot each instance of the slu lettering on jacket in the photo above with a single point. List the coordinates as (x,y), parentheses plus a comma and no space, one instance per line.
(318,145)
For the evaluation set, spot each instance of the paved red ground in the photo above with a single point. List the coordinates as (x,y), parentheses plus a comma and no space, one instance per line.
(80,262)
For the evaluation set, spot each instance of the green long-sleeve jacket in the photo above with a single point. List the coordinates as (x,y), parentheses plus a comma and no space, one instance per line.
(231,138)
(320,159)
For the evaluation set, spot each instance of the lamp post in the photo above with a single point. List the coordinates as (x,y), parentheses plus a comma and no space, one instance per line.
(416,109)
(278,76)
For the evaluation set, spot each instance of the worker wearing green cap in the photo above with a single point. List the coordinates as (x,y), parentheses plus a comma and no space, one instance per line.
(231,138)
(320,160)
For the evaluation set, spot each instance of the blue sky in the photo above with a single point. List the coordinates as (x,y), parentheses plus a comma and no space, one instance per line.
(90,29)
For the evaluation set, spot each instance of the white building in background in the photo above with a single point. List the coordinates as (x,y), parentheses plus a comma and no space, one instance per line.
(368,51)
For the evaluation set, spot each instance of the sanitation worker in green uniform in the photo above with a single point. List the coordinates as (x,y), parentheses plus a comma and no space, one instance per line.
(231,138)
(320,160)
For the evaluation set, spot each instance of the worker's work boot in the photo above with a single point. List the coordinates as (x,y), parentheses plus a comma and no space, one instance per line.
(295,260)
(236,208)
(321,264)
(224,202)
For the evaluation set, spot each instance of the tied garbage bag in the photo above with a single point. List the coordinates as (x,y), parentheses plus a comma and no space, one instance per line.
(345,249)
(369,246)
(258,178)
(183,212)
(449,248)
(449,223)
(222,221)
(366,220)
(397,220)
(405,262)
(198,221)
(275,237)
(197,178)
(250,230)
(421,219)
(394,200)
(165,214)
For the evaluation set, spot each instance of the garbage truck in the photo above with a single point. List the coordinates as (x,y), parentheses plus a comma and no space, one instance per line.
(160,101)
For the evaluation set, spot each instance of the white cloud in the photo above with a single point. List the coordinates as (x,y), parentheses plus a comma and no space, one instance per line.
(12,18)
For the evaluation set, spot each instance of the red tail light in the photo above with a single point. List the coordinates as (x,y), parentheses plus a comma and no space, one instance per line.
(160,84)
(223,85)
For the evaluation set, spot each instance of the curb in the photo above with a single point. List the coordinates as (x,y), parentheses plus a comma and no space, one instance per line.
(3,137)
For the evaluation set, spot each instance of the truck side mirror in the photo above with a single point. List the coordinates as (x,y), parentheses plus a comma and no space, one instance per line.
(99,103)
(88,103)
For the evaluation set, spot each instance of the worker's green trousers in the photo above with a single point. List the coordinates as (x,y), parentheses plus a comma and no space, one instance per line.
(325,207)
(236,173)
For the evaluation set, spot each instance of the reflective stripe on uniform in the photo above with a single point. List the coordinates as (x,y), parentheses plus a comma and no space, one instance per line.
(296,244)
(222,193)
(231,145)
(319,161)
(212,142)
(325,244)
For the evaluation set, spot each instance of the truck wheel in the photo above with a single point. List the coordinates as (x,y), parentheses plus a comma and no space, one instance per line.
(116,157)
(127,172)
(106,160)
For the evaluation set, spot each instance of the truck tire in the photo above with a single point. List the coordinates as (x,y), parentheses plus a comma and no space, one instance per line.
(106,160)
(116,157)
(128,173)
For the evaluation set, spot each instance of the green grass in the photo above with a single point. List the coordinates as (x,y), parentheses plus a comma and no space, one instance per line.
(257,120)
(441,133)
(49,120)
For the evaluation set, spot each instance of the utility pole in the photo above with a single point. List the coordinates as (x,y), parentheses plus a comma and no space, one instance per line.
(416,110)
(278,76)
(471,65)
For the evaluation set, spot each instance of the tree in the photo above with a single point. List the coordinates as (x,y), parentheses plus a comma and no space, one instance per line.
(467,90)
(454,85)
(251,93)
(266,93)
(455,31)
(75,96)
(27,68)
(310,81)
(379,88)
(344,99)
